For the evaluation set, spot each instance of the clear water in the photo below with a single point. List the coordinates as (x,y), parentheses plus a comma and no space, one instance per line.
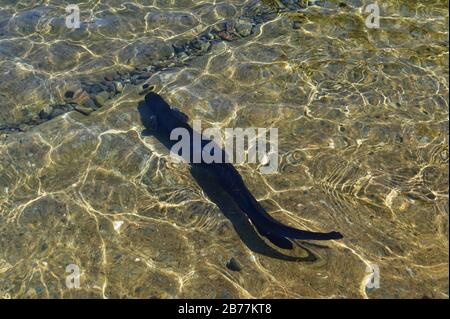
(363,140)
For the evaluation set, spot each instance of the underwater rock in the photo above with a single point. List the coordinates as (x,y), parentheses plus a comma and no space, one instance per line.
(118,87)
(100,99)
(109,77)
(226,36)
(84,110)
(297,25)
(200,45)
(46,112)
(233,265)
(244,28)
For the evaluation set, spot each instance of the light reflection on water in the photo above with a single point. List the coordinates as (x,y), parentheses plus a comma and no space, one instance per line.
(363,138)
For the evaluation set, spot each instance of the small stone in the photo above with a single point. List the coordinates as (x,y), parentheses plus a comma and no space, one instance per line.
(297,25)
(109,77)
(79,97)
(225,36)
(101,98)
(200,45)
(244,28)
(118,86)
(144,76)
(83,110)
(69,94)
(46,112)
(90,104)
(109,87)
(145,91)
(233,265)
(148,86)
(56,113)
(95,88)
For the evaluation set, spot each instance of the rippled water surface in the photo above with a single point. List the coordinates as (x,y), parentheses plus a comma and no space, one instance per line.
(362,116)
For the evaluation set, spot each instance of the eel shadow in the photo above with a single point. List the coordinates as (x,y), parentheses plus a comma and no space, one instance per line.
(213,190)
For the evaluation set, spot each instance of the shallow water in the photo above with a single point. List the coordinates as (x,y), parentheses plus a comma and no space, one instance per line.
(362,116)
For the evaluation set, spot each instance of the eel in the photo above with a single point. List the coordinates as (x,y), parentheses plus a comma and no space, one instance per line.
(157,115)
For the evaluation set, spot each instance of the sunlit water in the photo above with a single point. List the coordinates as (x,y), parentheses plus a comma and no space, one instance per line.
(362,116)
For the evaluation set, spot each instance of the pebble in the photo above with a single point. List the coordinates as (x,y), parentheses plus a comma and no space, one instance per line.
(79,97)
(244,28)
(118,86)
(101,98)
(83,110)
(109,77)
(95,88)
(89,103)
(233,265)
(69,94)
(46,112)
(297,25)
(200,45)
(225,36)
(57,112)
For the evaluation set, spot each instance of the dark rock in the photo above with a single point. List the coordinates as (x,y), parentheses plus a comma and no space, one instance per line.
(233,265)
(109,87)
(56,113)
(297,25)
(46,113)
(144,76)
(69,94)
(95,88)
(200,45)
(146,86)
